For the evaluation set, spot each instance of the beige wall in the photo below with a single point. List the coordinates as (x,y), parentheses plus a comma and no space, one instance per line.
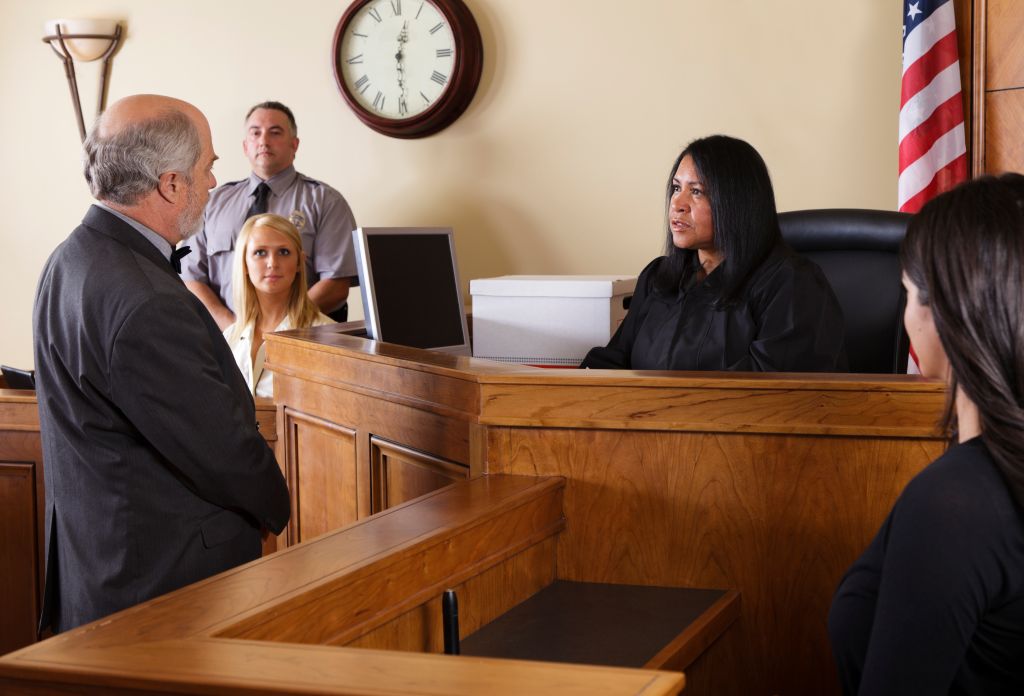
(559,164)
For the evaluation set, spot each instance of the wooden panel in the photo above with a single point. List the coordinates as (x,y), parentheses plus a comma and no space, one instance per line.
(777,517)
(19,557)
(445,392)
(401,474)
(321,475)
(1004,59)
(266,420)
(22,503)
(170,644)
(18,410)
(444,436)
(894,409)
(379,592)
(482,598)
(235,668)
(1004,133)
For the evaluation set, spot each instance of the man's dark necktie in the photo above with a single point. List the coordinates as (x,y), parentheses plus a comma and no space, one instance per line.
(259,203)
(176,256)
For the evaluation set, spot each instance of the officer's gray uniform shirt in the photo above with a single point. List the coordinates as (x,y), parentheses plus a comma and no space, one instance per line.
(323,217)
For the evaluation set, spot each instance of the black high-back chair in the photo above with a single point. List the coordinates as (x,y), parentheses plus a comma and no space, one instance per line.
(858,250)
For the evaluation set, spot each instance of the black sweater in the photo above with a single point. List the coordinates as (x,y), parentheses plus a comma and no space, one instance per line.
(935,605)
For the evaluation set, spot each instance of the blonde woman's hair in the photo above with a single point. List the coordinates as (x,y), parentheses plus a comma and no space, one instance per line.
(301,309)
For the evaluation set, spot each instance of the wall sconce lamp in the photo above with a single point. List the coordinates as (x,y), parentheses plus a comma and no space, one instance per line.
(87,40)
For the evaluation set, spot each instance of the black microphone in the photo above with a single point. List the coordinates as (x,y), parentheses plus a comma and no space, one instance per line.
(450,622)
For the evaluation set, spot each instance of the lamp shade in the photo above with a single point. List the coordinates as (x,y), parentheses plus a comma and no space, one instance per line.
(83,49)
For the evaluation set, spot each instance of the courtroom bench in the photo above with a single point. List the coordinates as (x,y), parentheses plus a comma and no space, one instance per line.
(355,612)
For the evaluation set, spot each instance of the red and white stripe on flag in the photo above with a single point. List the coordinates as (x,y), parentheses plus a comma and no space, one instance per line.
(933,150)
(933,146)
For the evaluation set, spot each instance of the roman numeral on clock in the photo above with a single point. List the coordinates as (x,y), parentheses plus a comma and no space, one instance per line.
(362,83)
(375,14)
(439,78)
(444,52)
(378,102)
(437,27)
(396,7)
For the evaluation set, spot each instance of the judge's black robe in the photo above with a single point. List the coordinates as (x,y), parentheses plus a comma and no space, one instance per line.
(785,319)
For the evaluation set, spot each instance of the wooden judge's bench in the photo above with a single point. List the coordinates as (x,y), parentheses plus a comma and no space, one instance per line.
(762,487)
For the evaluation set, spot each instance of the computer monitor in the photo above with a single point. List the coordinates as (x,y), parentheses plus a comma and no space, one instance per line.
(18,379)
(410,284)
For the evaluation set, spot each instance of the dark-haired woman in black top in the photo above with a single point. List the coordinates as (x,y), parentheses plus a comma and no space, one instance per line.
(728,294)
(935,605)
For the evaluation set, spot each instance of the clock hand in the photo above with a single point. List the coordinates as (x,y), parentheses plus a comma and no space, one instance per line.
(403,38)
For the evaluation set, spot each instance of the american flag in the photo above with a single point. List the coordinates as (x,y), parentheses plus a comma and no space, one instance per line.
(933,151)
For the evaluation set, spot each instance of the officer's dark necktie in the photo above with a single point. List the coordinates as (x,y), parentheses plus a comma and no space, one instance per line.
(259,203)
(176,257)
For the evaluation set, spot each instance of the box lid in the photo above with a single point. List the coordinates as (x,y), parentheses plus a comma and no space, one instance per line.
(553,286)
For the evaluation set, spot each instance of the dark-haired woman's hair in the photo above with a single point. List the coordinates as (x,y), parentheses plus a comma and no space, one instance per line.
(964,252)
(743,216)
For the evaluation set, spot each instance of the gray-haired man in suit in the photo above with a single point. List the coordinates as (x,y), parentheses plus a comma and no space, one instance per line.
(156,475)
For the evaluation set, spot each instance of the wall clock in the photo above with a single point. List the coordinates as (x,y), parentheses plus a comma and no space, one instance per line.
(407,68)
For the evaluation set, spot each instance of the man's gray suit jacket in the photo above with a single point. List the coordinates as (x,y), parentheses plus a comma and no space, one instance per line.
(156,475)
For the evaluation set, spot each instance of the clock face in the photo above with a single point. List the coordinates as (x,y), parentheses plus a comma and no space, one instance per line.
(397,57)
(407,67)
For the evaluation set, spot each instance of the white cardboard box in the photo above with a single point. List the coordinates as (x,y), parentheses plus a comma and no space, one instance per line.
(546,320)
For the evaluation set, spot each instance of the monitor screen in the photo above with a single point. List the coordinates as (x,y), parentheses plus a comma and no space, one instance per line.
(410,284)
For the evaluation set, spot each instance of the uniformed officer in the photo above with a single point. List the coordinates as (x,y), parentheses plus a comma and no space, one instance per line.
(323,217)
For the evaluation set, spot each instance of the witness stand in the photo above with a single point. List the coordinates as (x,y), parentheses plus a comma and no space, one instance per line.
(760,487)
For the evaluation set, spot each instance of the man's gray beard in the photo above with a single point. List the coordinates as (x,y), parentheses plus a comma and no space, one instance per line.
(190,222)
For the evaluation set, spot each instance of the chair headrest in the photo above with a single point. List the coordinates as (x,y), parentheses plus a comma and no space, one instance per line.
(843,229)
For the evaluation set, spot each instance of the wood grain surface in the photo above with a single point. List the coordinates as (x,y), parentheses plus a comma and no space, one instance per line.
(777,517)
(1004,58)
(1004,141)
(22,504)
(188,641)
(768,484)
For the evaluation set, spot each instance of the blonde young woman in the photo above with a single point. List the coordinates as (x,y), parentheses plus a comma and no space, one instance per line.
(269,284)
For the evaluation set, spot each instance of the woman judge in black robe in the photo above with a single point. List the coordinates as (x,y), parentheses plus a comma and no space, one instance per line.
(728,294)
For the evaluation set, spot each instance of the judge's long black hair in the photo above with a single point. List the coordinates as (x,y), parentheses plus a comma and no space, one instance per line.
(743,216)
(964,252)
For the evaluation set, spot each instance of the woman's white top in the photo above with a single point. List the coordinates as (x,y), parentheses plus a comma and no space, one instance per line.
(254,373)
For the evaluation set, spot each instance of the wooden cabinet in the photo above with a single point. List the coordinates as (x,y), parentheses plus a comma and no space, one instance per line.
(767,484)
(994,79)
(22,504)
(20,541)
(352,451)
(321,471)
(400,474)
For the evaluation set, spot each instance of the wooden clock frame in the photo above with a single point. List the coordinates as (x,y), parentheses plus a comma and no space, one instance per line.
(468,66)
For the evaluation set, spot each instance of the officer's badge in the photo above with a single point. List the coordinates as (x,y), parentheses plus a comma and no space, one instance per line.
(297,219)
